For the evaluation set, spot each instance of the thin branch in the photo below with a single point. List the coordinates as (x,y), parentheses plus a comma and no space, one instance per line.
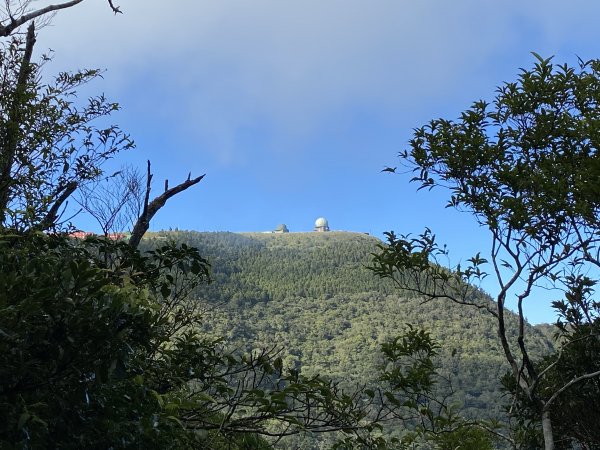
(151,208)
(500,299)
(116,9)
(574,381)
(559,356)
(16,23)
(50,219)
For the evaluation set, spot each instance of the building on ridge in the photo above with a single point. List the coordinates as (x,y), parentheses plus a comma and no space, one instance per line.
(321,224)
(281,228)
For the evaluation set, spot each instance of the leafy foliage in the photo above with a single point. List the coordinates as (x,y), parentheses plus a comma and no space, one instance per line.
(100,344)
(576,415)
(49,145)
(100,349)
(83,329)
(312,294)
(526,167)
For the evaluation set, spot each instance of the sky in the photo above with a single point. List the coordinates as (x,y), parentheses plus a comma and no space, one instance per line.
(292,108)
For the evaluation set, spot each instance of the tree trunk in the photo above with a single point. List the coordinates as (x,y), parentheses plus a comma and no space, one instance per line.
(11,133)
(547,429)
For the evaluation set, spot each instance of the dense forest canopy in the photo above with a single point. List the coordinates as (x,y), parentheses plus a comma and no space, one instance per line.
(313,296)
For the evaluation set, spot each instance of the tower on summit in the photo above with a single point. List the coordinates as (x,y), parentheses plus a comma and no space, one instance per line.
(321,224)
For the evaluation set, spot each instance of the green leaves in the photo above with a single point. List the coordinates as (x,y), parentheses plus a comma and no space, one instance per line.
(534,138)
(417,264)
(526,166)
(54,143)
(413,379)
(411,355)
(79,340)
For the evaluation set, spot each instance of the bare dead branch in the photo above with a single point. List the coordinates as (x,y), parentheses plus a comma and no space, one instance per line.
(7,30)
(151,208)
(24,17)
(116,9)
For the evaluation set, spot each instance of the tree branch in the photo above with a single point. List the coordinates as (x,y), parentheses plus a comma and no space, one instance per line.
(116,9)
(8,148)
(65,192)
(151,208)
(568,385)
(7,30)
(16,23)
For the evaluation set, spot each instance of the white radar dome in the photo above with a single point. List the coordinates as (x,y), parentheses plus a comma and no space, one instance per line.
(321,222)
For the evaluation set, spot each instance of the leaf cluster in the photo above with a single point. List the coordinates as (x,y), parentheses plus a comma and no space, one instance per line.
(48,143)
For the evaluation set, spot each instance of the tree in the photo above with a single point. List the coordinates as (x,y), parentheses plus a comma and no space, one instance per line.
(15,13)
(575,418)
(526,166)
(49,146)
(114,201)
(413,378)
(150,208)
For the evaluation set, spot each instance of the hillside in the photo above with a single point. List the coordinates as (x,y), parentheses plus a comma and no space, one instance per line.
(312,295)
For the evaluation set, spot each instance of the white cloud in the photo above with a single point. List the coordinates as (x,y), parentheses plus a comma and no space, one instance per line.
(290,65)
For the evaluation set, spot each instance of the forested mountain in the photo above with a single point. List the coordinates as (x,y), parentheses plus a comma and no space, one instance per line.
(312,295)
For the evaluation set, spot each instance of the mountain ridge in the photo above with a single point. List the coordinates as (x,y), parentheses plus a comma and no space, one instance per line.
(312,295)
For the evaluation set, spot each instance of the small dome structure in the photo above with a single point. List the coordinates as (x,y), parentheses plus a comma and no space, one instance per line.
(321,224)
(281,228)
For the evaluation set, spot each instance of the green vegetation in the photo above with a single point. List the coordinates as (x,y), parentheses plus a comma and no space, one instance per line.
(107,345)
(526,167)
(102,345)
(84,362)
(312,295)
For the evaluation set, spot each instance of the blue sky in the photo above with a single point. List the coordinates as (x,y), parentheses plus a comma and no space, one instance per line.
(292,108)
